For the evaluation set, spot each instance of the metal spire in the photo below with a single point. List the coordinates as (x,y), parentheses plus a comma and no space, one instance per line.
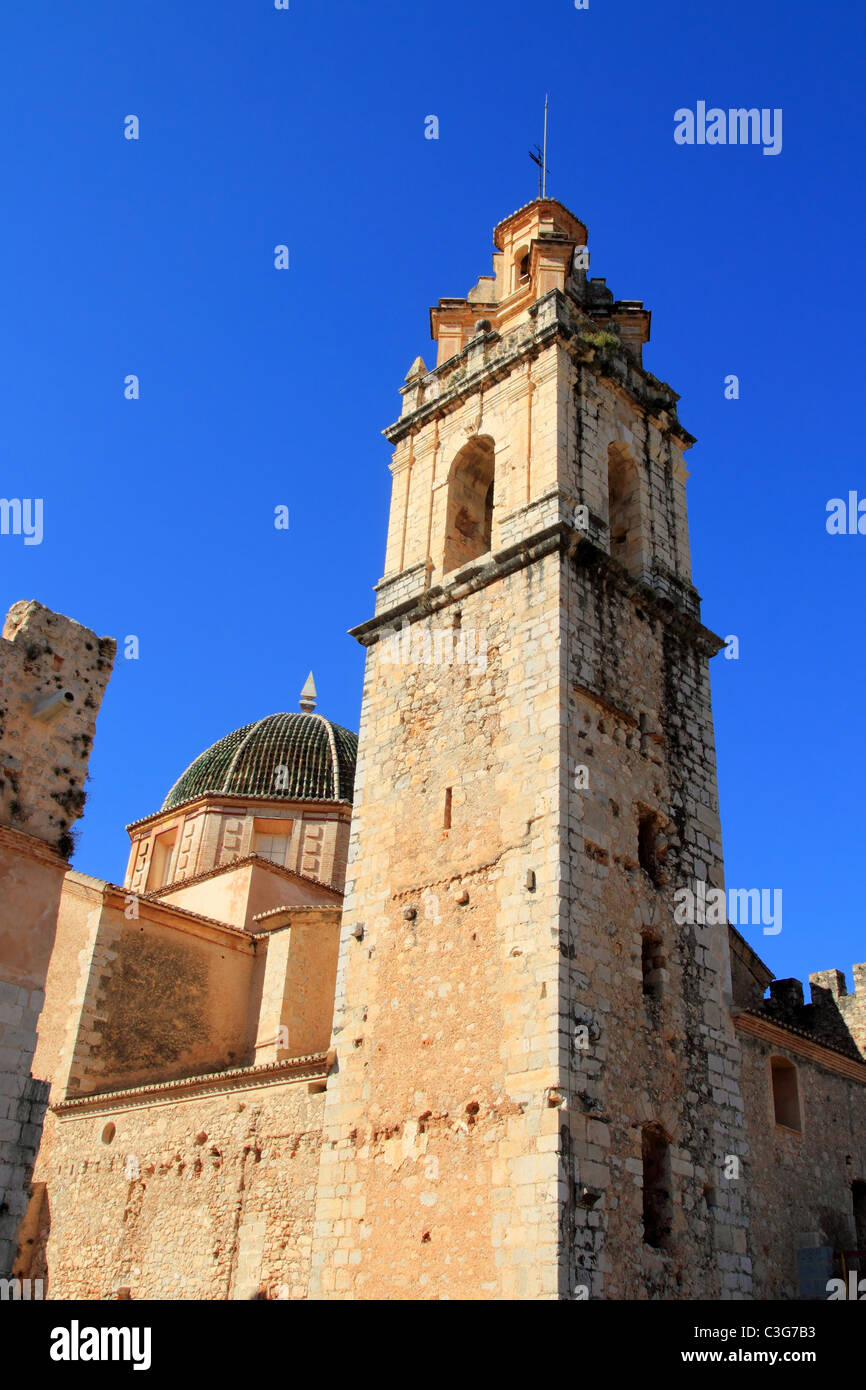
(540,157)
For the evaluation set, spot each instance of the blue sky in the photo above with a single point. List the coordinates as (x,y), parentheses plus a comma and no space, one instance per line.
(261,388)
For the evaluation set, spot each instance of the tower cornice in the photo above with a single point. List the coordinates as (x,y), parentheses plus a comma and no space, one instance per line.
(539,208)
(553,318)
(558,537)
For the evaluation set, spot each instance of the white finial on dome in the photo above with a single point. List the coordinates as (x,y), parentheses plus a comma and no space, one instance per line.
(308,695)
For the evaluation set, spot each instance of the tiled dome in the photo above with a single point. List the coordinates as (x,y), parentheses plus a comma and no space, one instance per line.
(291,757)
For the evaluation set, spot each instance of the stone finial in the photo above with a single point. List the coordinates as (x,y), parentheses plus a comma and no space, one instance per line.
(308,695)
(416,370)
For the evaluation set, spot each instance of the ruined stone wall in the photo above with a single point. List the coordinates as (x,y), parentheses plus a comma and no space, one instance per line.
(832,1016)
(30,882)
(191,1197)
(800,1184)
(53,674)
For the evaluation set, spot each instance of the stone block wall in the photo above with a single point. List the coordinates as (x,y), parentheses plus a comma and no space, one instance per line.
(178,1194)
(297,997)
(439,1174)
(644,1042)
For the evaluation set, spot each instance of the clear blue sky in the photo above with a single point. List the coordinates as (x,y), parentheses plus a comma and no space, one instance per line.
(258,387)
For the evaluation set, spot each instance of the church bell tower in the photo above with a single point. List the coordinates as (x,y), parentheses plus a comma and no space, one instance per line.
(535,1089)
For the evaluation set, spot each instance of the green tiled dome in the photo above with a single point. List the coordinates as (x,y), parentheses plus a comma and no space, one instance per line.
(292,757)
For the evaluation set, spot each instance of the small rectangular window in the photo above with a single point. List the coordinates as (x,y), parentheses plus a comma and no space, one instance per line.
(162,863)
(786,1093)
(657,1199)
(272,847)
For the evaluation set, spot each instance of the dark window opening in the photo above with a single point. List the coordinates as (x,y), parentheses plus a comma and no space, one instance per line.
(623,509)
(657,1203)
(469,516)
(858,1197)
(446,822)
(786,1093)
(524,267)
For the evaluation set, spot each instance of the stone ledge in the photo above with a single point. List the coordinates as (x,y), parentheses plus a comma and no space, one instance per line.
(559,536)
(314,1067)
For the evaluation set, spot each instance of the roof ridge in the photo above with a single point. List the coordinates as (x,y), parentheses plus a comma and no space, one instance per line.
(241,746)
(335,761)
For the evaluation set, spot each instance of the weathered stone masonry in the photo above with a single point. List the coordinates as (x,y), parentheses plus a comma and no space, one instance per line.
(522,1153)
(53,674)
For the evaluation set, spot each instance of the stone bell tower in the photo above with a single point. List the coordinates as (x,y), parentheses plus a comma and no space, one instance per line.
(535,1092)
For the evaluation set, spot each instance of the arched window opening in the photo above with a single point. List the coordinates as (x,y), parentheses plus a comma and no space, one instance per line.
(520,272)
(623,509)
(469,521)
(658,1211)
(786,1093)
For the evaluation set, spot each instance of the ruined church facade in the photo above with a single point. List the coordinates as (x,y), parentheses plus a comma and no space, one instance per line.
(414,1017)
